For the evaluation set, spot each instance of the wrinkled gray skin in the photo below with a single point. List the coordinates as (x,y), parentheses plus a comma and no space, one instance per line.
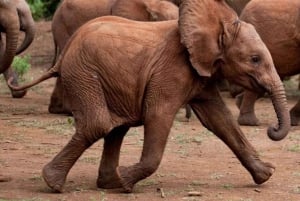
(278,24)
(141,74)
(71,14)
(27,26)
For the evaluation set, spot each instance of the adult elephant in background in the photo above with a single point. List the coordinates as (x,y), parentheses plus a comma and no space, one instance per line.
(11,19)
(71,14)
(120,73)
(278,24)
(24,23)
(237,5)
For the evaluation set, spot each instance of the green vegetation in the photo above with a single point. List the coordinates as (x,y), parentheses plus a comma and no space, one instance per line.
(42,8)
(21,65)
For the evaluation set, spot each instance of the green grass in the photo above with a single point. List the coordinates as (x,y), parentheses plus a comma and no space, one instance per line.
(294,148)
(25,199)
(58,126)
(228,186)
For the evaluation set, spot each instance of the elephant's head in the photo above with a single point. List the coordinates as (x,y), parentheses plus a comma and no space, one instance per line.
(218,41)
(9,23)
(27,24)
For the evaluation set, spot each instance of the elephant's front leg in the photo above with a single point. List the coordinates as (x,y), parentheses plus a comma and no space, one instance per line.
(108,177)
(246,102)
(215,116)
(156,130)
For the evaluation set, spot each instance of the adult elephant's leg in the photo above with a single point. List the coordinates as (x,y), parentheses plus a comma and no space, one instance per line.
(58,101)
(156,129)
(222,124)
(10,73)
(188,111)
(247,115)
(108,177)
(295,114)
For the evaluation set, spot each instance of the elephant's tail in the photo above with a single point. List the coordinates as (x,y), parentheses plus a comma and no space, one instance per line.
(52,72)
(56,52)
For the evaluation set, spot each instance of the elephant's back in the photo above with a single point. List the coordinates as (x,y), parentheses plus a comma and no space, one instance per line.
(81,11)
(127,36)
(119,43)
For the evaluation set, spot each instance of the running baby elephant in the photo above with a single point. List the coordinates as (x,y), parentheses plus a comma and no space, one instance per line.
(141,73)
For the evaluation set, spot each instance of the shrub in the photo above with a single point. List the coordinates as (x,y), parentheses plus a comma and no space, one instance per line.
(21,65)
(42,8)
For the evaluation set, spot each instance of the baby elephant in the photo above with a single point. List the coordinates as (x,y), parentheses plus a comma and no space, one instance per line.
(120,73)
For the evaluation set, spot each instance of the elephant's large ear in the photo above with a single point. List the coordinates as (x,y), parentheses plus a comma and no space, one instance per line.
(200,26)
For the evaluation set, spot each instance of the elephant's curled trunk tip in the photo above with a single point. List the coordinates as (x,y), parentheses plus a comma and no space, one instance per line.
(278,98)
(276,135)
(49,74)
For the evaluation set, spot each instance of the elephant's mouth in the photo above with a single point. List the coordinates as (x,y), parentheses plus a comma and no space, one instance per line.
(256,86)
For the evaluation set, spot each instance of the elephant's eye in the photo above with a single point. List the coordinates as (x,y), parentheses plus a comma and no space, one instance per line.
(255,59)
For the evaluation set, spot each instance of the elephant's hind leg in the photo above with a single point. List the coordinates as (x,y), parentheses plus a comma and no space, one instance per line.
(55,172)
(92,120)
(108,177)
(156,131)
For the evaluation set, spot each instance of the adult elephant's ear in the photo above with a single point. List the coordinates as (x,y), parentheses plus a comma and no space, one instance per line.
(200,26)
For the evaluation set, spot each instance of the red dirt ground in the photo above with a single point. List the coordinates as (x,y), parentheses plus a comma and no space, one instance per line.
(194,160)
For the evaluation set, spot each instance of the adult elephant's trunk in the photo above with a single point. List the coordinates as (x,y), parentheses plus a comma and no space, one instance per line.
(27,25)
(280,105)
(29,36)
(10,23)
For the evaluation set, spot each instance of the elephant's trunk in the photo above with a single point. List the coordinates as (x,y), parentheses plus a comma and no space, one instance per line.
(11,27)
(280,105)
(29,29)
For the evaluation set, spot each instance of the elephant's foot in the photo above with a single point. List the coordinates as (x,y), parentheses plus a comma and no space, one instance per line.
(109,180)
(248,119)
(295,117)
(126,179)
(262,172)
(18,94)
(54,178)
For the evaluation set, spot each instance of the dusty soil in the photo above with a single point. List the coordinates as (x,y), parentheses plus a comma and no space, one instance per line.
(194,160)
